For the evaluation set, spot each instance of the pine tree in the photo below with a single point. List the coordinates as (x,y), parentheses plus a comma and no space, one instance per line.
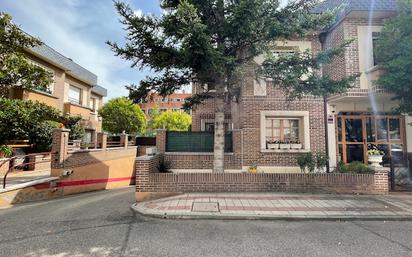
(214,41)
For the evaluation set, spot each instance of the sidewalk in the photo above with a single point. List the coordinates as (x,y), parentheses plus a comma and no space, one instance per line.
(278,206)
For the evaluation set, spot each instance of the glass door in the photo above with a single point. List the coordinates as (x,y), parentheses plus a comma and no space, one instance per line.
(356,132)
(351,139)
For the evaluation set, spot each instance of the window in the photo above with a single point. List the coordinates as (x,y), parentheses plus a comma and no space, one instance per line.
(375,36)
(284,126)
(93,103)
(74,94)
(282,129)
(210,126)
(49,89)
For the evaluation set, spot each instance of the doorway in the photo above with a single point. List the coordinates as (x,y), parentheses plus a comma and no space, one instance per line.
(357,131)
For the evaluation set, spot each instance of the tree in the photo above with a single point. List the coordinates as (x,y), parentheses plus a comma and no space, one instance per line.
(121,114)
(172,121)
(215,42)
(394,56)
(28,120)
(15,69)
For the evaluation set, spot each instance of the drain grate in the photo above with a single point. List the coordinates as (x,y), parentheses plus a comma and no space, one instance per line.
(205,207)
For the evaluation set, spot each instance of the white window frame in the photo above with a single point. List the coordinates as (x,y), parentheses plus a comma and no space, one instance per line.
(80,95)
(304,128)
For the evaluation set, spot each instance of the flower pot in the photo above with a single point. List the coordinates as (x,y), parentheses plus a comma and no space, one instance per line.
(375,160)
(252,170)
(284,146)
(296,146)
(273,146)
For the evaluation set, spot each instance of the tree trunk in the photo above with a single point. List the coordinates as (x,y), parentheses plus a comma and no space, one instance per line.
(219,143)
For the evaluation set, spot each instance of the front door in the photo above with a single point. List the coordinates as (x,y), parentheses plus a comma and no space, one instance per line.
(356,132)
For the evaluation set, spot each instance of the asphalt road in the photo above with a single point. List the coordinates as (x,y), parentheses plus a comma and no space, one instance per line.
(102,224)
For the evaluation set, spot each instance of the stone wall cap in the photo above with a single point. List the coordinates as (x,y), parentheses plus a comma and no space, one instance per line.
(61,129)
(146,157)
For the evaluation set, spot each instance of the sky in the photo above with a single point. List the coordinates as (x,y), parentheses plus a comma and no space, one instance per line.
(78,29)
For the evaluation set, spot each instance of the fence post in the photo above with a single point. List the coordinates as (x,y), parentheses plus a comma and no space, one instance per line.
(381,178)
(124,140)
(102,140)
(161,140)
(60,141)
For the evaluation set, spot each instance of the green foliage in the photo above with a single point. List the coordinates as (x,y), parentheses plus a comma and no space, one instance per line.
(121,114)
(172,121)
(73,123)
(164,166)
(322,160)
(214,41)
(41,135)
(394,56)
(303,160)
(6,150)
(20,119)
(354,167)
(310,162)
(15,69)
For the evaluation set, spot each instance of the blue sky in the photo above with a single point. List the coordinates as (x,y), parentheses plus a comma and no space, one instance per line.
(78,29)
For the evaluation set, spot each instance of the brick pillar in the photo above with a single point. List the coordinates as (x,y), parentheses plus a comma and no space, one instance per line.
(59,147)
(161,140)
(102,140)
(124,140)
(381,178)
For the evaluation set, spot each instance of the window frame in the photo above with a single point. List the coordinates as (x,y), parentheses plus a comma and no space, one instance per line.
(80,95)
(304,128)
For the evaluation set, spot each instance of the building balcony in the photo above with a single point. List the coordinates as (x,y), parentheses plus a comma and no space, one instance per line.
(36,95)
(76,109)
(368,87)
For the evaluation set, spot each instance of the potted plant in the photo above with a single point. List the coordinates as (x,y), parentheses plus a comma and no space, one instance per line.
(284,145)
(5,151)
(84,146)
(253,169)
(274,144)
(295,144)
(375,156)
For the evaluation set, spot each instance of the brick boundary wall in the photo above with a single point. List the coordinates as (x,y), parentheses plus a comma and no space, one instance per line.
(182,160)
(151,184)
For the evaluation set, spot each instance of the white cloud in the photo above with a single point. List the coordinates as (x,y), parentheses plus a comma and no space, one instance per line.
(138,13)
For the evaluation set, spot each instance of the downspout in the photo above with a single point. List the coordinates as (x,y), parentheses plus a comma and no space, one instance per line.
(322,38)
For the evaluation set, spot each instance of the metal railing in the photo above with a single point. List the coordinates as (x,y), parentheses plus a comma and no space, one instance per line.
(26,160)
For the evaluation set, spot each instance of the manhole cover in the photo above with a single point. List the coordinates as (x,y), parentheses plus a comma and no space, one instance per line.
(205,207)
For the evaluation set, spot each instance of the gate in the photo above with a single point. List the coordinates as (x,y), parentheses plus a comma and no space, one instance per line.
(400,176)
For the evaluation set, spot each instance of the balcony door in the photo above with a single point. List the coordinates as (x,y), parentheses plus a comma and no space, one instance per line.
(356,132)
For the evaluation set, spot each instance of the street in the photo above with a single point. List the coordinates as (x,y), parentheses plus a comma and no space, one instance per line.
(102,224)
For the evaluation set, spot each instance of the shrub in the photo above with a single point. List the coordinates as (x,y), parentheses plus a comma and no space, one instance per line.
(310,162)
(41,136)
(163,166)
(5,151)
(354,167)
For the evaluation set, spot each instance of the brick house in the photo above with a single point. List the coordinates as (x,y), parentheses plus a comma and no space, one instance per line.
(361,116)
(173,102)
(74,89)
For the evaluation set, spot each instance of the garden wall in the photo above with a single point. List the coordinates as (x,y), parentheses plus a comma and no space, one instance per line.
(151,184)
(92,169)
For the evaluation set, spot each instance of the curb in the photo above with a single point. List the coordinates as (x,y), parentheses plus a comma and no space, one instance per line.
(214,216)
